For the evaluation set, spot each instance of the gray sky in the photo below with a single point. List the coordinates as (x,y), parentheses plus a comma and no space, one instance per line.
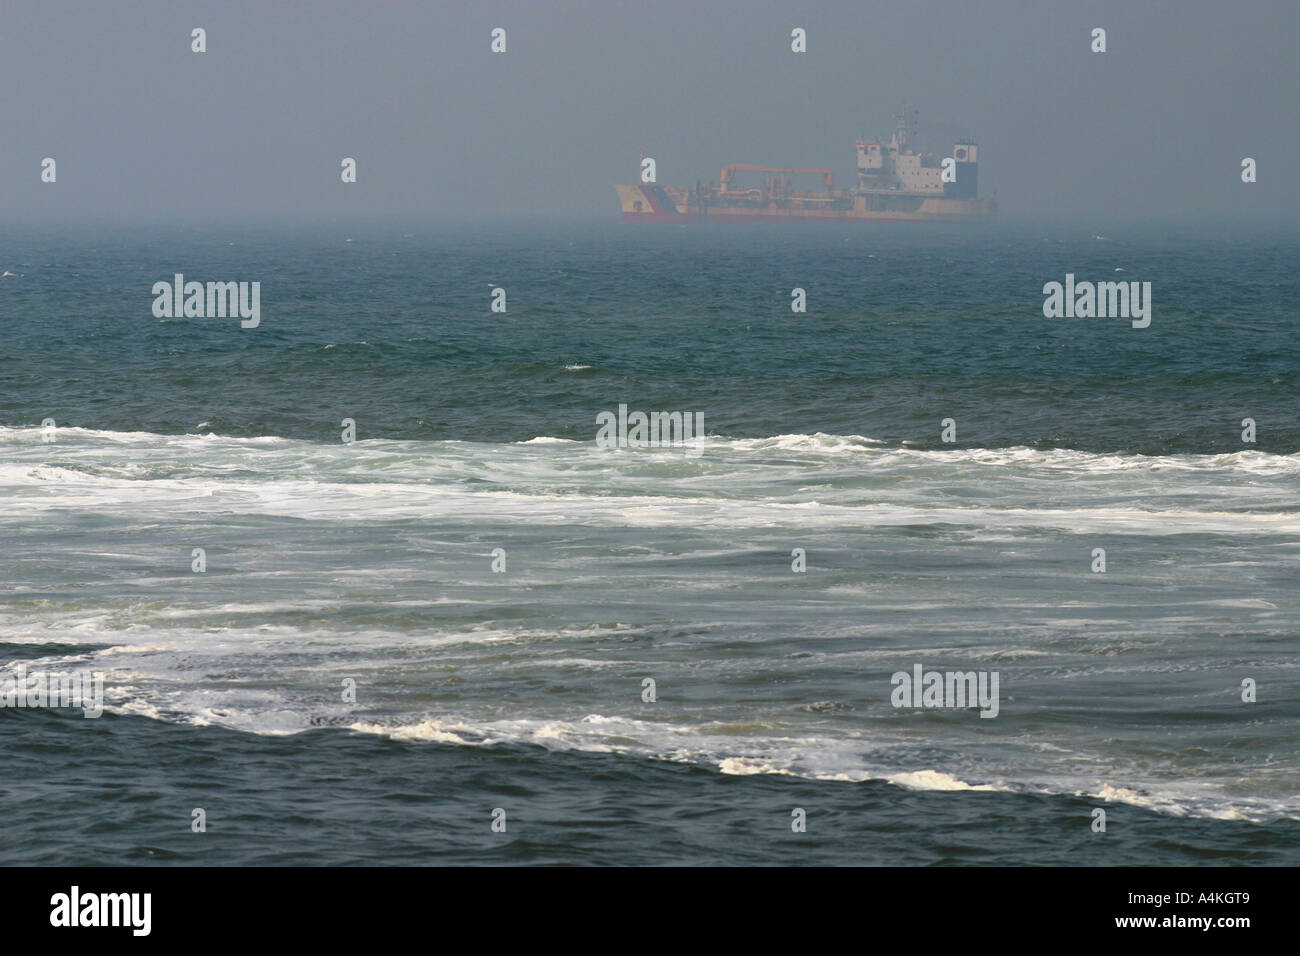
(141,127)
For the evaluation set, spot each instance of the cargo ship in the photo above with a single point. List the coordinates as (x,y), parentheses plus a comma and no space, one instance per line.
(895,184)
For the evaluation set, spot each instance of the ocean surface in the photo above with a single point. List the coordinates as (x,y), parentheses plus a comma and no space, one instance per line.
(357,675)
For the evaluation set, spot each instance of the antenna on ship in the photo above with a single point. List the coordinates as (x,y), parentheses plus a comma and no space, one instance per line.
(906,125)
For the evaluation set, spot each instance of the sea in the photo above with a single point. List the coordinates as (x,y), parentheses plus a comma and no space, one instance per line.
(366,586)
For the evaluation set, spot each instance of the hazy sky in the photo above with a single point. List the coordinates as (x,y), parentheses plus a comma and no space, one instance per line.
(140,126)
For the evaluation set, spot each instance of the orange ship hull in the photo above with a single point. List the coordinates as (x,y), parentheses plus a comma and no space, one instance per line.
(652,203)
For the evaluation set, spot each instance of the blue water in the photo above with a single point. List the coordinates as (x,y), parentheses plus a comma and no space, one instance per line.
(371,562)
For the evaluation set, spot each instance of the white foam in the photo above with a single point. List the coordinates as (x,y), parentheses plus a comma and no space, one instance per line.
(935,780)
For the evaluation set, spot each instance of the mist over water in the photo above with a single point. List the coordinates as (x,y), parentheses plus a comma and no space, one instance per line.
(442,129)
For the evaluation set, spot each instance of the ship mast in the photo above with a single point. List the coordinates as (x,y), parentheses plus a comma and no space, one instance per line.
(903,127)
